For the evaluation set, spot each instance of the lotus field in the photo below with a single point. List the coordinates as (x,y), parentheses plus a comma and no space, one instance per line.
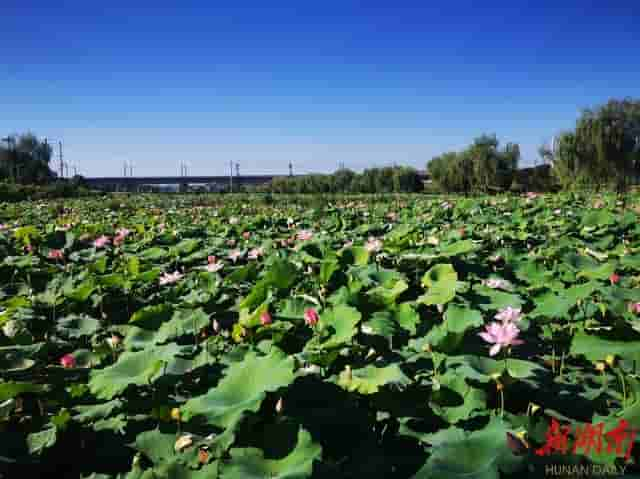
(238,337)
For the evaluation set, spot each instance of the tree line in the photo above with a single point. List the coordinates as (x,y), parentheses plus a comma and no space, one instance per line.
(601,152)
(372,180)
(25,159)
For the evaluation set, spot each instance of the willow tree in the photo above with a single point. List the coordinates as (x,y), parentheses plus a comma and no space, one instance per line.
(608,140)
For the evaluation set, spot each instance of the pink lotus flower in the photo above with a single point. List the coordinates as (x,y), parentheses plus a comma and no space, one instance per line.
(55,254)
(266,319)
(501,335)
(123,232)
(170,278)
(614,278)
(497,283)
(311,317)
(373,245)
(4,226)
(304,235)
(101,242)
(635,308)
(531,195)
(509,315)
(213,264)
(235,255)
(29,248)
(231,242)
(255,253)
(68,361)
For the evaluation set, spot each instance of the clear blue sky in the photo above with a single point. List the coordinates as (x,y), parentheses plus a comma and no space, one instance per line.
(365,83)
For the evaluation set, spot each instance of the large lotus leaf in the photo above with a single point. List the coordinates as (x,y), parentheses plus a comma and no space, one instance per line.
(457,454)
(327,268)
(138,368)
(156,445)
(152,317)
(250,463)
(596,218)
(407,317)
(357,255)
(552,306)
(383,295)
(498,299)
(281,274)
(458,248)
(459,319)
(595,348)
(41,440)
(381,323)
(185,246)
(12,389)
(340,322)
(532,272)
(598,272)
(243,388)
(370,379)
(182,322)
(441,281)
(93,412)
(153,254)
(76,326)
(463,404)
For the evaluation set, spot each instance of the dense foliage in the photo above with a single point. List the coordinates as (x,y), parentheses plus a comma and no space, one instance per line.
(482,167)
(603,151)
(398,179)
(154,337)
(25,159)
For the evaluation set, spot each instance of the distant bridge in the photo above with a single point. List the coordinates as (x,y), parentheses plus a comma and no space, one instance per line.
(130,183)
(133,182)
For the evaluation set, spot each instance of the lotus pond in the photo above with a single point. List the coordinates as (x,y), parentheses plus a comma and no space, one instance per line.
(168,336)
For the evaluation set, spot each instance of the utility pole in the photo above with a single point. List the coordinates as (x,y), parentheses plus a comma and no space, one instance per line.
(290,168)
(238,170)
(60,159)
(231,176)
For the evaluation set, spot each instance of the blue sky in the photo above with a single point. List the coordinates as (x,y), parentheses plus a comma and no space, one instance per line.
(318,83)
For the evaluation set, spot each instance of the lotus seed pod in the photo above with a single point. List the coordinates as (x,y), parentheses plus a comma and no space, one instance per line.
(183,442)
(175,414)
(610,360)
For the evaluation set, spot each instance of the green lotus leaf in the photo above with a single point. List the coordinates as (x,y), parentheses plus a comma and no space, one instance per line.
(139,368)
(441,281)
(595,348)
(458,454)
(243,388)
(41,440)
(338,326)
(77,326)
(370,379)
(11,389)
(463,404)
(250,463)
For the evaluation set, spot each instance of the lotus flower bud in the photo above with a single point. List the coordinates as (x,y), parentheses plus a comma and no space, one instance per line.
(311,317)
(266,319)
(68,361)
(610,360)
(279,406)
